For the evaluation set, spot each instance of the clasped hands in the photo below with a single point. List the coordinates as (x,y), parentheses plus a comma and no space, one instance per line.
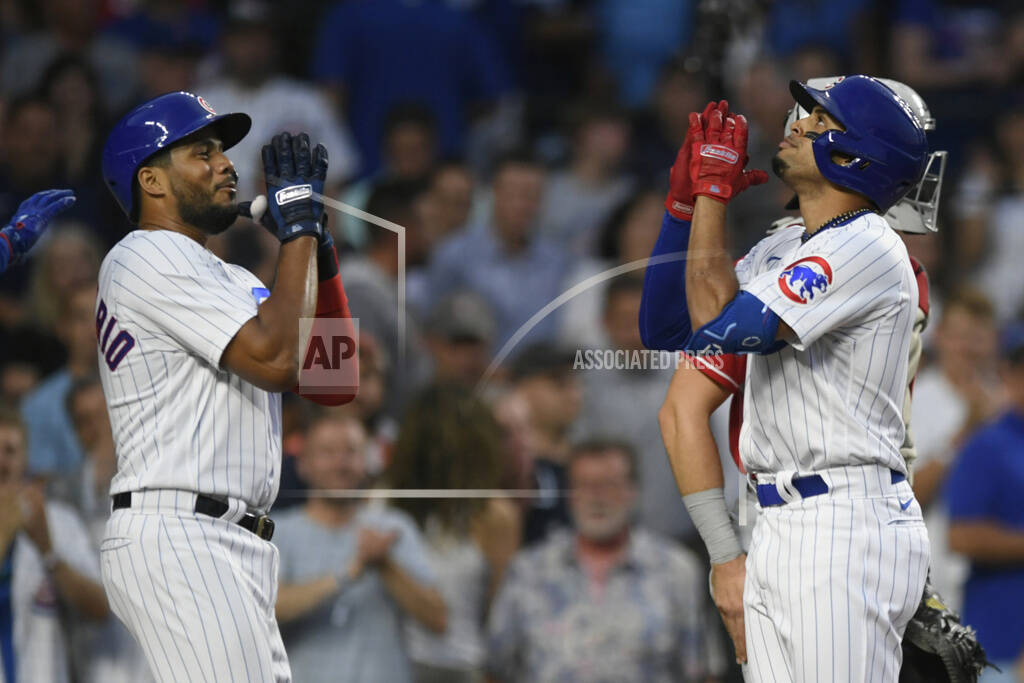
(712,161)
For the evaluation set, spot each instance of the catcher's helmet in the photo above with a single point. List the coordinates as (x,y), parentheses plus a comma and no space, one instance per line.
(918,211)
(882,135)
(153,126)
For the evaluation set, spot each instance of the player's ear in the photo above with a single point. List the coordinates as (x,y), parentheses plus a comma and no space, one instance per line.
(153,181)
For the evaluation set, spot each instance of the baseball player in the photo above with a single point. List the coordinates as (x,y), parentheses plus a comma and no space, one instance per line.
(839,554)
(30,222)
(194,353)
(692,398)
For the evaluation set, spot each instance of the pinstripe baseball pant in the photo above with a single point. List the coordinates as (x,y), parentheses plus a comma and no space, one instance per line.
(833,580)
(196,592)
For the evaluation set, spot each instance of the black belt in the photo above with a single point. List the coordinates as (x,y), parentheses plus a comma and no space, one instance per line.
(261,525)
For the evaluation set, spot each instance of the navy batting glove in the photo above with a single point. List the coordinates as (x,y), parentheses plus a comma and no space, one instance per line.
(31,219)
(295,183)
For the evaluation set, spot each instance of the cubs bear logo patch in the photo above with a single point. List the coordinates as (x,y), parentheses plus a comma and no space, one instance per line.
(805,278)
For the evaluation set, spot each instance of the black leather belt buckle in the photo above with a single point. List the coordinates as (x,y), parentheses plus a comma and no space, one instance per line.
(264,527)
(261,525)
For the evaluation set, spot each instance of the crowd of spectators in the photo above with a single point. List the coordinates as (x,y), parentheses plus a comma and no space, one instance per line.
(524,147)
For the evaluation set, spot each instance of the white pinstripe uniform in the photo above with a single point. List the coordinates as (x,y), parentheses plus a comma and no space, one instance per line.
(832,579)
(197,592)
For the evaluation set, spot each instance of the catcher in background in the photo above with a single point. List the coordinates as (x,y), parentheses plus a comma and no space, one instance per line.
(933,637)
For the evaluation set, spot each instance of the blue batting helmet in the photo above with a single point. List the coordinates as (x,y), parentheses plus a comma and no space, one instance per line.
(884,138)
(153,126)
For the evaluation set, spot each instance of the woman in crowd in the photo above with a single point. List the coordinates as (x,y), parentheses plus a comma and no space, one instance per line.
(450,440)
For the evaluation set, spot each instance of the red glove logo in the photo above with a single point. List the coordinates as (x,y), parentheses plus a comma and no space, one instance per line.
(719,152)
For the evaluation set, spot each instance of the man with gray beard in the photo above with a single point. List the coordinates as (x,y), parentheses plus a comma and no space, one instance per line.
(609,601)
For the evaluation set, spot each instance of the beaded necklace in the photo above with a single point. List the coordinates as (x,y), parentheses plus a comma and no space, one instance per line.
(835,221)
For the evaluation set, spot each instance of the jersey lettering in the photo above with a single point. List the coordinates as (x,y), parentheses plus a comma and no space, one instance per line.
(123,341)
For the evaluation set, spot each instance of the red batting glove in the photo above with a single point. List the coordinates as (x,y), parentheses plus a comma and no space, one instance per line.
(679,201)
(720,153)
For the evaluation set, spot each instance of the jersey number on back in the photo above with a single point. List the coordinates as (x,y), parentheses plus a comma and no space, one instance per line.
(114,347)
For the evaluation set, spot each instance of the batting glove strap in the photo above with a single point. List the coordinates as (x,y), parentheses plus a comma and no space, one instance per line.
(715,190)
(299,229)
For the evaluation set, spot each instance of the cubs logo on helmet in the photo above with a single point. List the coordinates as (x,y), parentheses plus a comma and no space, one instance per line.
(205,105)
(803,279)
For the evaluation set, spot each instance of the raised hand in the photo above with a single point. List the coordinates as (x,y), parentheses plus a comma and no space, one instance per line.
(295,178)
(32,218)
(719,155)
(679,201)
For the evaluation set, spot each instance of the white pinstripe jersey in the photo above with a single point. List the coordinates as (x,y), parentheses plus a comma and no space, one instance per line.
(834,398)
(166,310)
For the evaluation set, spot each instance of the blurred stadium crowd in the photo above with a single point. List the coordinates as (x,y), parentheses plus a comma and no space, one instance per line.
(525,146)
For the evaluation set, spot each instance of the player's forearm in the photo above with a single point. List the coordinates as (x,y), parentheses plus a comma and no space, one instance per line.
(332,302)
(293,298)
(987,542)
(691,451)
(928,480)
(664,318)
(299,599)
(82,593)
(422,603)
(685,425)
(686,431)
(710,276)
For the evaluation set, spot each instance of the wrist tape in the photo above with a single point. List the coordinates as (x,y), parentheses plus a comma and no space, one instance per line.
(711,518)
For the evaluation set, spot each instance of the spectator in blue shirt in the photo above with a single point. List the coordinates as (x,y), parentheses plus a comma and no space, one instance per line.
(795,24)
(53,446)
(638,37)
(504,261)
(986,511)
(376,53)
